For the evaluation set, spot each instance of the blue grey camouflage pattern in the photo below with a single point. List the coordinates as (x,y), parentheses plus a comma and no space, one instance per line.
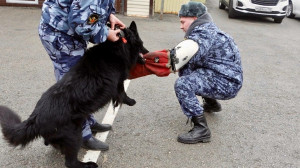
(64,50)
(65,30)
(71,17)
(214,72)
(86,127)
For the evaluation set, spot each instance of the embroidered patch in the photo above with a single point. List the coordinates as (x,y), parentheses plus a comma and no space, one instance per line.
(93,18)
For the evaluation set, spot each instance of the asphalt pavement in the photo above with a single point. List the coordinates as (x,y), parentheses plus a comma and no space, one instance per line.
(258,128)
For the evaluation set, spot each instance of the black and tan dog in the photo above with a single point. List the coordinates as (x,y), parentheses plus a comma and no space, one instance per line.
(92,83)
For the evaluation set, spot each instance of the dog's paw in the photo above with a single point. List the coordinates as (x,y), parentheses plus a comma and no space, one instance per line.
(90,165)
(130,102)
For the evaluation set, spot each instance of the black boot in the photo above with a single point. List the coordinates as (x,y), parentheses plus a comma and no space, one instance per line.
(95,144)
(100,127)
(200,132)
(211,105)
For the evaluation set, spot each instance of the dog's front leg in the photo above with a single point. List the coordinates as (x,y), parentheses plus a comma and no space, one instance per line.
(127,100)
(123,96)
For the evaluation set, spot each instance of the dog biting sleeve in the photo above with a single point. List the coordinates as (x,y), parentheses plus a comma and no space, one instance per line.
(157,62)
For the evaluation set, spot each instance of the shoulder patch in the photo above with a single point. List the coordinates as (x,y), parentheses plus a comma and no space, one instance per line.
(93,18)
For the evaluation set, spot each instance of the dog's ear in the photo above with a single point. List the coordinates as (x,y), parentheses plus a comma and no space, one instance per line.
(133,26)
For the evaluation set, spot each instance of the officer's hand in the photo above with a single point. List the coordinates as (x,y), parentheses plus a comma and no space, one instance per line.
(115,21)
(113,35)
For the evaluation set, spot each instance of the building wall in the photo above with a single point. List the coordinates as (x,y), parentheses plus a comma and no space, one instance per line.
(138,8)
(171,6)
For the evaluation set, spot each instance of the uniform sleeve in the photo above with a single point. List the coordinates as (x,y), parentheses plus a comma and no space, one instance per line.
(87,18)
(203,38)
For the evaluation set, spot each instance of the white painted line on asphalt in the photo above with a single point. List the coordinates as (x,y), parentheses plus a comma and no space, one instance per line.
(92,156)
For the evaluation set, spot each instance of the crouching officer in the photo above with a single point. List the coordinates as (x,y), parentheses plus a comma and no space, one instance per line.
(209,65)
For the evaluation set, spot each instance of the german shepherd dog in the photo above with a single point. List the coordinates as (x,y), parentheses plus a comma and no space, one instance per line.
(93,82)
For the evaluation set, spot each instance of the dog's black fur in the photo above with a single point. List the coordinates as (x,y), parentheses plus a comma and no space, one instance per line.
(95,80)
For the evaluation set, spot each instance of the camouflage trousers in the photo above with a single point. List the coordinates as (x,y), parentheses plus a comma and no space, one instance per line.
(205,83)
(65,51)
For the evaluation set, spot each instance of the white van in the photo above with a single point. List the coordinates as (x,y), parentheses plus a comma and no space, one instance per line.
(275,9)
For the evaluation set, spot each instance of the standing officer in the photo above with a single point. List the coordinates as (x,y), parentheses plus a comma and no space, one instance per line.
(65,28)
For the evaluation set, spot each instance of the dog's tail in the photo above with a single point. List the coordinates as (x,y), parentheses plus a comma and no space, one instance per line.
(15,131)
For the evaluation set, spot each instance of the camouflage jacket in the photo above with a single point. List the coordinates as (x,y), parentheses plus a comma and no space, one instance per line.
(83,18)
(217,55)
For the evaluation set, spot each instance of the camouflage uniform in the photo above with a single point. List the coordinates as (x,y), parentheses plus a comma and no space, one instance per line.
(214,72)
(65,28)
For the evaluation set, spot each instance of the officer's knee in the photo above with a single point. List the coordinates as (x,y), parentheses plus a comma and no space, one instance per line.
(180,84)
(176,85)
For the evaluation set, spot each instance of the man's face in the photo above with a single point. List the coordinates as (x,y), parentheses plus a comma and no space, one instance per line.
(185,22)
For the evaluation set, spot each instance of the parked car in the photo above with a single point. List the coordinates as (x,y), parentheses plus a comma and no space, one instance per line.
(275,9)
(293,9)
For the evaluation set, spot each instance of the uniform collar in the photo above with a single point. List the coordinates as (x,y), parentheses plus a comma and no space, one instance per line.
(205,18)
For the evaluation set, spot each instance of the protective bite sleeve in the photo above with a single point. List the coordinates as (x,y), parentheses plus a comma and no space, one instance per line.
(157,62)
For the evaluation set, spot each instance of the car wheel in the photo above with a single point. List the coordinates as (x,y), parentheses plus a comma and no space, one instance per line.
(278,19)
(221,5)
(231,11)
(289,10)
